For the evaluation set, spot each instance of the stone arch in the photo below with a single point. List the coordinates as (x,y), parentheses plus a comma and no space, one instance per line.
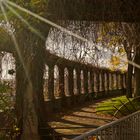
(7,66)
(8,72)
(8,87)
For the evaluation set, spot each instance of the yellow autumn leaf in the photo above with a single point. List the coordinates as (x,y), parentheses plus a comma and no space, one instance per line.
(99,39)
(115,60)
(111,43)
(92,138)
(123,69)
(126,63)
(35,2)
(112,68)
(121,50)
(17,129)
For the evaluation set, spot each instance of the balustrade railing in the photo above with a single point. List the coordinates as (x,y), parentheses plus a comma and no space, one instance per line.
(81,81)
(127,128)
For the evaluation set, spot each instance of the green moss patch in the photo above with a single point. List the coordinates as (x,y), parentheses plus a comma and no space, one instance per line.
(108,106)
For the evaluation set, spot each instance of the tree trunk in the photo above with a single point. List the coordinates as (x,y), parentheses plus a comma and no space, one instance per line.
(30,107)
(129,70)
(137,75)
(27,98)
(30,115)
(129,81)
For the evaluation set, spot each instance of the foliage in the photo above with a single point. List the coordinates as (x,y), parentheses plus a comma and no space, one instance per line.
(111,35)
(6,97)
(4,36)
(17,17)
(7,116)
(10,134)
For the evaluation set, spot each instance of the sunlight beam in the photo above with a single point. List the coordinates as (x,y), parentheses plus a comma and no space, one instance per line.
(26,22)
(133,64)
(46,21)
(55,25)
(16,44)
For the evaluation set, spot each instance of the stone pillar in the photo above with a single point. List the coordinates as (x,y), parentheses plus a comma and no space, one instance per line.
(114,74)
(107,82)
(66,75)
(51,82)
(78,72)
(61,82)
(97,82)
(103,81)
(71,82)
(117,81)
(122,81)
(125,79)
(112,81)
(92,81)
(85,81)
(100,79)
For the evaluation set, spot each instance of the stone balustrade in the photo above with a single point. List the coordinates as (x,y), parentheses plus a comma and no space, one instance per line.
(77,82)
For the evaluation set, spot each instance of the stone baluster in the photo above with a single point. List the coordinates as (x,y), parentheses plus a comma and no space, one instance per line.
(122,81)
(97,82)
(85,81)
(61,82)
(117,81)
(103,80)
(108,82)
(51,83)
(100,83)
(94,88)
(112,81)
(66,75)
(92,81)
(78,71)
(125,79)
(71,82)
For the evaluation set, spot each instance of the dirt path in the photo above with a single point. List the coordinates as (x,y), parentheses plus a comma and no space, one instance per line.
(79,120)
